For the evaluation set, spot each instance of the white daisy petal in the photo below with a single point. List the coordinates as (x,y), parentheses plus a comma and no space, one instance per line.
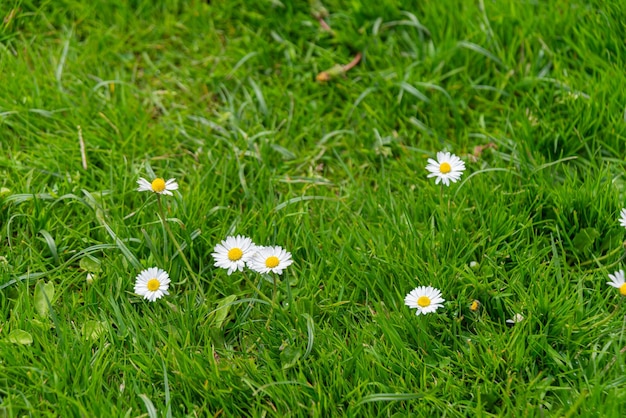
(622,218)
(516,318)
(618,281)
(152,283)
(144,185)
(270,259)
(234,253)
(425,299)
(171,184)
(448,168)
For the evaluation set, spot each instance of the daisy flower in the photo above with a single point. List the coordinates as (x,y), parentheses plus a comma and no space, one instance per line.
(518,317)
(622,218)
(425,299)
(274,259)
(152,283)
(617,281)
(475,305)
(233,253)
(448,168)
(158,185)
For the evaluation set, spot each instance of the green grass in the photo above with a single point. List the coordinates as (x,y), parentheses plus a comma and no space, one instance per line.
(222,96)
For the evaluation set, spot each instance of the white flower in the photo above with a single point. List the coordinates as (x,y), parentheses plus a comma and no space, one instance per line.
(274,259)
(152,283)
(425,299)
(448,167)
(516,318)
(617,281)
(622,218)
(158,185)
(233,253)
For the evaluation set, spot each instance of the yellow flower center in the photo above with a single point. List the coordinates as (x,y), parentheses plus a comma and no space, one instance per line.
(153,285)
(272,261)
(158,185)
(622,289)
(444,168)
(474,306)
(423,301)
(234,254)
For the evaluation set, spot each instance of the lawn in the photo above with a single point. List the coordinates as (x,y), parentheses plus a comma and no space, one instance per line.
(312,131)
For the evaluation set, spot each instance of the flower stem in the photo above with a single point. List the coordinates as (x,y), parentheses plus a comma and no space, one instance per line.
(173,238)
(442,207)
(596,259)
(288,288)
(273,305)
(273,291)
(257,290)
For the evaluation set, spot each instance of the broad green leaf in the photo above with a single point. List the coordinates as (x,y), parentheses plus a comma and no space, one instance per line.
(290,356)
(93,329)
(90,264)
(585,238)
(40,324)
(19,336)
(220,314)
(43,292)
